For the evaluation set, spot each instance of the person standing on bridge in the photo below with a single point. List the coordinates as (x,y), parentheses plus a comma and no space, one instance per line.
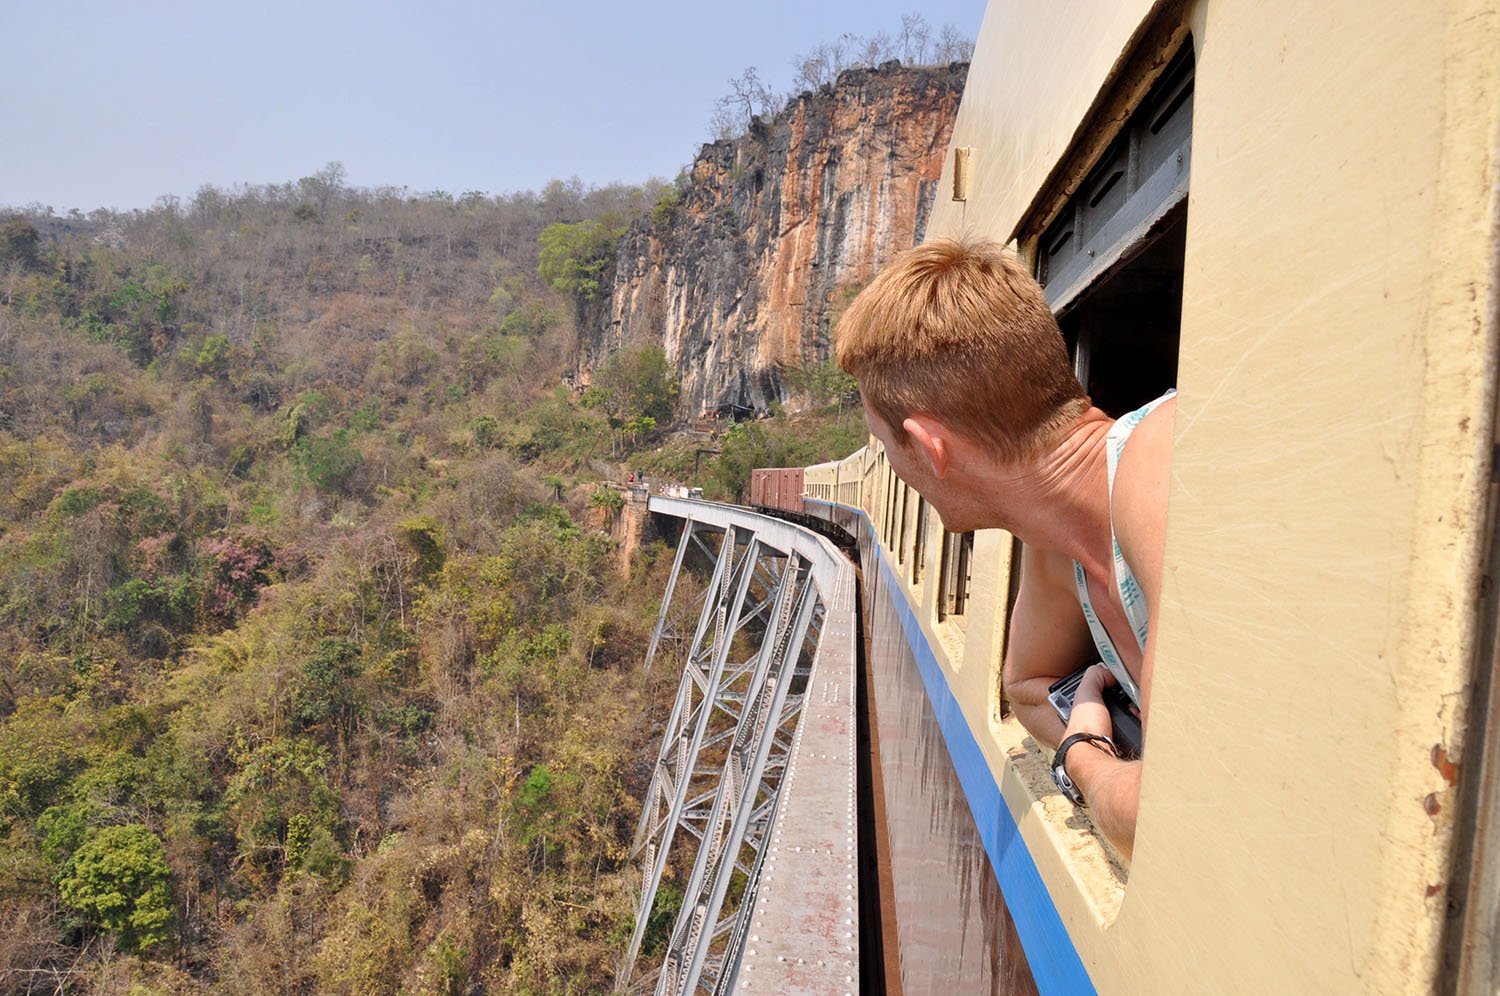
(966,382)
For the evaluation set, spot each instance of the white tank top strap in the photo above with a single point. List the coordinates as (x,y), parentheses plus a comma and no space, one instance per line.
(1131,597)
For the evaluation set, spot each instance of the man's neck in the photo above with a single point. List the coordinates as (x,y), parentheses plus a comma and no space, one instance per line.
(1060,500)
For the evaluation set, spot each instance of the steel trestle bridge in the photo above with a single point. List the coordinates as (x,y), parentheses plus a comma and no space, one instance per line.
(751,810)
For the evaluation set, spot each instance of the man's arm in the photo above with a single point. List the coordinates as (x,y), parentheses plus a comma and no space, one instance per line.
(1110,786)
(1049,638)
(1142,480)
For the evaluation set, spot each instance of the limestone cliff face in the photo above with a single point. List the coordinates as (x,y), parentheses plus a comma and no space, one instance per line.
(737,279)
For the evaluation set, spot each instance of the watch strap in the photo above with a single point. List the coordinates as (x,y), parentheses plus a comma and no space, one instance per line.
(1060,776)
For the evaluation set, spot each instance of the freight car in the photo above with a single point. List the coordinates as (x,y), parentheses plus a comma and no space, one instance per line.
(778,488)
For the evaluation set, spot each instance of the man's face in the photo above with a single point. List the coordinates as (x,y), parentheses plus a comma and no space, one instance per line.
(910,464)
(906,459)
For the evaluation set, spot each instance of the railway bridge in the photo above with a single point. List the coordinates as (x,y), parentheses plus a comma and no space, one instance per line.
(808,801)
(751,811)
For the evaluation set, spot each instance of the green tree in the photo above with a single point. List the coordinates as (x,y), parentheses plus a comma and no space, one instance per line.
(19,241)
(574,256)
(329,462)
(119,879)
(328,685)
(636,388)
(823,383)
(529,321)
(213,357)
(746,446)
(38,755)
(140,316)
(282,778)
(608,499)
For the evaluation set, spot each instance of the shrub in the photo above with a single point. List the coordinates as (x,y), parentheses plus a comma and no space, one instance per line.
(545,809)
(276,782)
(213,357)
(424,538)
(608,499)
(329,462)
(119,880)
(327,691)
(237,569)
(529,321)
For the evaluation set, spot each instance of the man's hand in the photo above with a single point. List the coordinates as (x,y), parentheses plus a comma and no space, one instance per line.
(1110,786)
(1090,714)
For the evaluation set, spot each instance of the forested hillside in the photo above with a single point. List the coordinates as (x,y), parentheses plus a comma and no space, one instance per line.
(313,680)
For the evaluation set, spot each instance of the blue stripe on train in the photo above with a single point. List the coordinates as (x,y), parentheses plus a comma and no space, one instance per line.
(1050,954)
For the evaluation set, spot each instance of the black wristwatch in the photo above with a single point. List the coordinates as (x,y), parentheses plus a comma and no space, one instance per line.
(1059,760)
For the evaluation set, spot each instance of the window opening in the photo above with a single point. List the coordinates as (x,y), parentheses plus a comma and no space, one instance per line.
(958,551)
(1124,333)
(890,530)
(919,542)
(1112,261)
(890,505)
(900,542)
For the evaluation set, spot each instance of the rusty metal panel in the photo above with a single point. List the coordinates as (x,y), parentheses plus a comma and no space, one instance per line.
(758,479)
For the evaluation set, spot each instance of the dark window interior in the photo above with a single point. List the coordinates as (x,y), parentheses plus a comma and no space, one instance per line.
(899,541)
(958,552)
(1123,333)
(1112,260)
(919,542)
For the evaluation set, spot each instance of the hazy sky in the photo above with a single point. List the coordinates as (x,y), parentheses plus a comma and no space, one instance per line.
(113,104)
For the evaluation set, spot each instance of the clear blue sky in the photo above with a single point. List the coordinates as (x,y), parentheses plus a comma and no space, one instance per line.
(111,104)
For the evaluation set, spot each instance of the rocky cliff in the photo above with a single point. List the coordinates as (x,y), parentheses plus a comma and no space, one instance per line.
(739,268)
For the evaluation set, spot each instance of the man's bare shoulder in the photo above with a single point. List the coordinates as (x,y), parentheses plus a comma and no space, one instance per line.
(1142,481)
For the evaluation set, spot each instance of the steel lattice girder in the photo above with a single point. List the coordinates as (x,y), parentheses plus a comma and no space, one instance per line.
(747,776)
(706,685)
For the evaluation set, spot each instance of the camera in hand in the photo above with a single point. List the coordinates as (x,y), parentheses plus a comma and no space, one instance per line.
(1122,712)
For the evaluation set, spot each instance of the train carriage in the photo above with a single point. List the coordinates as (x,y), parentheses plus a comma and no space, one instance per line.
(1289,212)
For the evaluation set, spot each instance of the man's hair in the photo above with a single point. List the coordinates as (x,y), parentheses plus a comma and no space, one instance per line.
(960,331)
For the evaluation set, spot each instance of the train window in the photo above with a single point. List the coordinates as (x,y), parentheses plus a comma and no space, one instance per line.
(888,506)
(900,540)
(890,503)
(1124,333)
(919,542)
(890,528)
(1112,261)
(958,551)
(888,513)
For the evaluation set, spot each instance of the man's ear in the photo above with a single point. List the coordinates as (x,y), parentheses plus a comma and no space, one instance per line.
(933,440)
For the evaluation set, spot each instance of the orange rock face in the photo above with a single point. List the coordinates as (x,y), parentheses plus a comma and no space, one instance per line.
(738,280)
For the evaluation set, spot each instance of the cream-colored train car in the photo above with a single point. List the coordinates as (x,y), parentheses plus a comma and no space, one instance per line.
(839,480)
(1288,209)
(821,480)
